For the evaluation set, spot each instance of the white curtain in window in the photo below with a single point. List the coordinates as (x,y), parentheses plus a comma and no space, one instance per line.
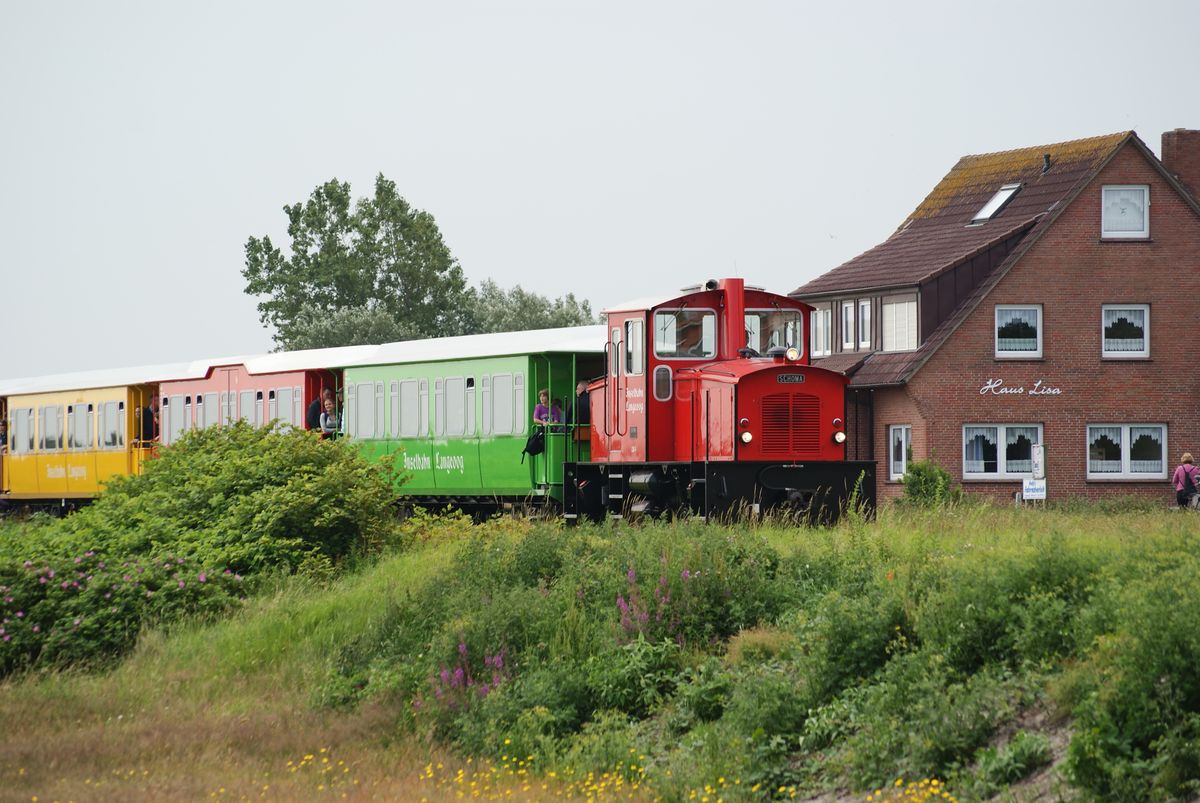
(1016,317)
(1145,450)
(1120,321)
(1104,450)
(979,450)
(1018,453)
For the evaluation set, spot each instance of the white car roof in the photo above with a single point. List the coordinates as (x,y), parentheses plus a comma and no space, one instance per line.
(583,339)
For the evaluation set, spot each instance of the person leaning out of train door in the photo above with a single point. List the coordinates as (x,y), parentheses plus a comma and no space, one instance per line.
(3,434)
(150,421)
(328,420)
(312,417)
(579,414)
(1187,477)
(544,413)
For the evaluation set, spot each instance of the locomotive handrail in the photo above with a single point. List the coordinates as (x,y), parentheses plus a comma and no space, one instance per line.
(621,388)
(608,433)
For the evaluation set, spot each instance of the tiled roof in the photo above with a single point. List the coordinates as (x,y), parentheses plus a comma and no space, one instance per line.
(844,363)
(937,235)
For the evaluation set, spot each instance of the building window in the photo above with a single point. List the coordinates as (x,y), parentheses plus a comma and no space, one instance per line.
(899,450)
(1125,330)
(821,337)
(1127,452)
(900,323)
(998,202)
(848,325)
(864,323)
(1125,212)
(1018,331)
(999,451)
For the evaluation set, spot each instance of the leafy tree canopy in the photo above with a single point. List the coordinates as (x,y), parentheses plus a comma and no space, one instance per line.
(376,270)
(357,263)
(499,310)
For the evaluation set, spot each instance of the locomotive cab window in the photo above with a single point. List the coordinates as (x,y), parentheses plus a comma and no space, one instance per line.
(635,348)
(685,334)
(774,328)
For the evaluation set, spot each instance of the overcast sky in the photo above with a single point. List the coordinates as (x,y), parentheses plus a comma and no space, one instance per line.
(611,149)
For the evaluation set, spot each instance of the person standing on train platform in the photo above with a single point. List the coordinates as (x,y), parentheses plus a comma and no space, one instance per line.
(150,420)
(579,414)
(316,408)
(330,425)
(1186,479)
(543,413)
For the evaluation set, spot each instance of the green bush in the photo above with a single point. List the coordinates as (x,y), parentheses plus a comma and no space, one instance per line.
(223,506)
(1138,711)
(927,484)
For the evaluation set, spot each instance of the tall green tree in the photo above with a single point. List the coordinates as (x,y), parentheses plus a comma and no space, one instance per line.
(357,272)
(498,310)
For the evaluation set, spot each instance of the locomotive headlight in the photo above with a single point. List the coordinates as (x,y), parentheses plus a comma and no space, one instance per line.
(793,354)
(839,437)
(747,437)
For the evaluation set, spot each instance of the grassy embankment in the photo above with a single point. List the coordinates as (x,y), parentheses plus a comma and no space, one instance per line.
(681,662)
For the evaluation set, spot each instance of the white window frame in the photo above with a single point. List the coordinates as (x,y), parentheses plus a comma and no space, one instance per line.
(996,203)
(1002,473)
(820,336)
(1126,474)
(864,323)
(911,339)
(906,431)
(1144,352)
(848,333)
(1144,232)
(708,314)
(1017,355)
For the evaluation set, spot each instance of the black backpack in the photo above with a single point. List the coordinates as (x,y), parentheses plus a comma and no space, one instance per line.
(1189,487)
(536,444)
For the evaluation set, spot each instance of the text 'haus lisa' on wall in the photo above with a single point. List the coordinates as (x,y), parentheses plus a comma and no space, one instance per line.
(1045,295)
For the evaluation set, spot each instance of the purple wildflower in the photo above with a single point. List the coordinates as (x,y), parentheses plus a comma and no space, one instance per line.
(37,628)
(685,575)
(42,580)
(462,649)
(632,575)
(203,577)
(459,676)
(79,560)
(28,564)
(182,584)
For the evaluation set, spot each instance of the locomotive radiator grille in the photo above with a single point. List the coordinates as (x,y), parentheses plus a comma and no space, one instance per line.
(791,422)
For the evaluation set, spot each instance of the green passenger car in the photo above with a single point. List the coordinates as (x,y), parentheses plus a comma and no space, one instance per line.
(456,412)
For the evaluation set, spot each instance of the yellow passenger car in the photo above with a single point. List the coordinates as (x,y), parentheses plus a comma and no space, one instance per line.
(64,445)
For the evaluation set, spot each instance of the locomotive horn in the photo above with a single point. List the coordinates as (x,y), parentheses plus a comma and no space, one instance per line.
(711,284)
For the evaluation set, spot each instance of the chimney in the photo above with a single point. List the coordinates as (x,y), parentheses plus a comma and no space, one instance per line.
(1181,157)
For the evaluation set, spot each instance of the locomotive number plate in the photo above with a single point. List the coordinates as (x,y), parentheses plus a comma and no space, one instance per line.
(790,379)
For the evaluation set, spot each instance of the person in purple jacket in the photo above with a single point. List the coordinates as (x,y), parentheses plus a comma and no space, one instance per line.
(1186,479)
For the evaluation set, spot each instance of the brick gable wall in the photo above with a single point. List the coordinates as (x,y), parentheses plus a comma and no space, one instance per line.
(1071,273)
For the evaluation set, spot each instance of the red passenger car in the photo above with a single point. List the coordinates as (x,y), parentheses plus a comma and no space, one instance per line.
(710,403)
(259,390)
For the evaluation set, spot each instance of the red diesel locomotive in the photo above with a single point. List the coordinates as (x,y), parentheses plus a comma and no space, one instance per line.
(710,404)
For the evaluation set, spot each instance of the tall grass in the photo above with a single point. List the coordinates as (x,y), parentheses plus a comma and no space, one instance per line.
(752,661)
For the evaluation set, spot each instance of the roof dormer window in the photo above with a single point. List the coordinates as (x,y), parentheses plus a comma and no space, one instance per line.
(998,202)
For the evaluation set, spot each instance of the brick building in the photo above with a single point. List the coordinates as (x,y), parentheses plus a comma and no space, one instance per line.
(1046,295)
